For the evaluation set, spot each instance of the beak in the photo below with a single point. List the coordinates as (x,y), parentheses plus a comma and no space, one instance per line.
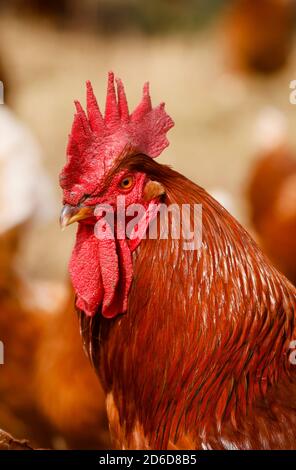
(71,214)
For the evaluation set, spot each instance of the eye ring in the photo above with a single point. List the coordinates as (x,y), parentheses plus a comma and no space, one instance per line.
(126,182)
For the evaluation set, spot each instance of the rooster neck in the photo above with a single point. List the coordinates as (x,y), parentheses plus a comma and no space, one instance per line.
(206,334)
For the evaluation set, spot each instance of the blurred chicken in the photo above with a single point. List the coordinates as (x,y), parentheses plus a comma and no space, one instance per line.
(259,34)
(272,193)
(55,9)
(24,189)
(20,332)
(69,392)
(48,391)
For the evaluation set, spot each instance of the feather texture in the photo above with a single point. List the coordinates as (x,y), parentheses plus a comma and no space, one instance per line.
(201,358)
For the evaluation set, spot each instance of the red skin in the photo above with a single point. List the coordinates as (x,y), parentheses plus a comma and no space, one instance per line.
(97,144)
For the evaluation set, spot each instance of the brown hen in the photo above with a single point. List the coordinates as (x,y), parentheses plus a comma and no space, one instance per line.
(272,199)
(48,391)
(259,34)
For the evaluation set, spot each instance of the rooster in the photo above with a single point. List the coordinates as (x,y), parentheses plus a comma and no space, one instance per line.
(260,34)
(272,192)
(192,345)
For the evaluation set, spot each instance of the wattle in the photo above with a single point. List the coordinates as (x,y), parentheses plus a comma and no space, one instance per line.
(101,273)
(101,269)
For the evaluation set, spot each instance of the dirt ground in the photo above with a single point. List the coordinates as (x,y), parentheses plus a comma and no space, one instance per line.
(214,111)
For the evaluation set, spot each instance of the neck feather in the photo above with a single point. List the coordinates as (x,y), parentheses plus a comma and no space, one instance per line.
(206,331)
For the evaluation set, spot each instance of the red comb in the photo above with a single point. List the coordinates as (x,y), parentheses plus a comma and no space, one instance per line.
(96,141)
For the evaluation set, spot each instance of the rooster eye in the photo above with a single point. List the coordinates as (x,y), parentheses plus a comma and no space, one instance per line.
(126,182)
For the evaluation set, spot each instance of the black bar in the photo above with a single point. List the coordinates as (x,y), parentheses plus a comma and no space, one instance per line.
(143,459)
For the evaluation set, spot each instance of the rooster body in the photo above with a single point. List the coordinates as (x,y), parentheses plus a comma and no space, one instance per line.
(204,363)
(199,355)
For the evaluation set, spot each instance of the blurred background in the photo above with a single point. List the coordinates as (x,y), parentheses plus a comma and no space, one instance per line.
(184,48)
(224,70)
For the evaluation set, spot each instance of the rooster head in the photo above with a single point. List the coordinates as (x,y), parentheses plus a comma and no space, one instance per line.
(94,177)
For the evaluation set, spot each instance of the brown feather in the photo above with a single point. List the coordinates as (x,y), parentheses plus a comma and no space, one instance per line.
(201,356)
